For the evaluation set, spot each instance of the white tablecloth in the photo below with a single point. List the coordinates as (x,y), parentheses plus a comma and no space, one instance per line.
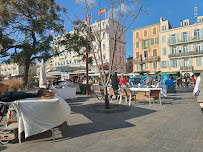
(66,93)
(36,116)
(144,89)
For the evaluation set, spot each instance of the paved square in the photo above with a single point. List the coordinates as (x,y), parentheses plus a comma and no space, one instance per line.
(174,127)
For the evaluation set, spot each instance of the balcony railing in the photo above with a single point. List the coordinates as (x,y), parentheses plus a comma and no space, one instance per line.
(182,41)
(192,53)
(148,59)
(186,68)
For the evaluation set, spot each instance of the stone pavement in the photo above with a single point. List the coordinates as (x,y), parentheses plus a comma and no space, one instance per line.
(177,126)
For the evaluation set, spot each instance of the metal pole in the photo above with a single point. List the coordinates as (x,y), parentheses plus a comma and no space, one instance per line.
(87,85)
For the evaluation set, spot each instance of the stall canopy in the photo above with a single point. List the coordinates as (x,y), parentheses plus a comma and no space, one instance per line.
(67,68)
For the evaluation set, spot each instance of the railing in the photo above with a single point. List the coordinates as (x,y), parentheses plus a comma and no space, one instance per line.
(153,58)
(192,53)
(182,41)
(186,68)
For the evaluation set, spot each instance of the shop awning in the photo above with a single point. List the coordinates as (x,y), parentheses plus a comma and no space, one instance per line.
(197,71)
(175,72)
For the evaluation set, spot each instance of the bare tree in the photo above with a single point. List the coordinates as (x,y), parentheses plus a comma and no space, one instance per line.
(122,14)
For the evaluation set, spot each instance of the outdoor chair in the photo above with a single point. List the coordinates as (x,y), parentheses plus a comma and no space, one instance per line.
(113,94)
(126,94)
(97,92)
(155,94)
(129,95)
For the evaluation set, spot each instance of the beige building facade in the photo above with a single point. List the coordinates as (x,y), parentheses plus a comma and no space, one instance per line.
(181,47)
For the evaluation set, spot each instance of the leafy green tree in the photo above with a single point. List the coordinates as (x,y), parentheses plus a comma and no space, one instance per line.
(26,25)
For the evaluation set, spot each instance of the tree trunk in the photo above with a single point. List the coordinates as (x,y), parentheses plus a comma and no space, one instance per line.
(106,98)
(25,77)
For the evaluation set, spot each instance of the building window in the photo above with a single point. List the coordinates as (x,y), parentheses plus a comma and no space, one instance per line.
(137,55)
(104,35)
(146,65)
(184,36)
(145,44)
(173,38)
(104,46)
(201,20)
(137,35)
(154,31)
(154,41)
(163,28)
(145,33)
(155,65)
(138,66)
(164,64)
(186,23)
(104,56)
(145,54)
(163,51)
(197,34)
(174,50)
(163,39)
(137,44)
(199,61)
(155,52)
(174,63)
(130,67)
(185,48)
(197,47)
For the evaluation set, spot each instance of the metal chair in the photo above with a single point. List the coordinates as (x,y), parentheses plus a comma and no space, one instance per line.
(97,92)
(111,92)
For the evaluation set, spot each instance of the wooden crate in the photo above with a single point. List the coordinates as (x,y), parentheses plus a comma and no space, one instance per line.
(9,133)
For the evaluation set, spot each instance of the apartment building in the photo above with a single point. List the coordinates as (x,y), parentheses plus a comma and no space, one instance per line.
(70,58)
(14,69)
(129,64)
(181,47)
(146,53)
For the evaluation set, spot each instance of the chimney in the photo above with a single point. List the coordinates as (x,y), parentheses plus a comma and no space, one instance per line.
(161,20)
(181,23)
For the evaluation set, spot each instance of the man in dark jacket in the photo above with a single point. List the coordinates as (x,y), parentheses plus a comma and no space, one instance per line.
(114,82)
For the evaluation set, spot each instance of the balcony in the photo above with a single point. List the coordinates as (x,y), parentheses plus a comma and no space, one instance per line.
(148,59)
(184,41)
(186,68)
(192,53)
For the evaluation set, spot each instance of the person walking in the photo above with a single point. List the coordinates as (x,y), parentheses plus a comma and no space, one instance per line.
(197,92)
(122,81)
(114,82)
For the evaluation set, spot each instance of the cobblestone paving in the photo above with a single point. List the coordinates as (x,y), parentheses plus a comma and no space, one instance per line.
(177,126)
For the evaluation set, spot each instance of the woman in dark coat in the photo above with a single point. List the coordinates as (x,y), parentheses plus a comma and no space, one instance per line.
(114,82)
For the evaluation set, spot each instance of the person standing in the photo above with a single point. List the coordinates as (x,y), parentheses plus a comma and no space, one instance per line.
(197,92)
(149,80)
(122,81)
(114,82)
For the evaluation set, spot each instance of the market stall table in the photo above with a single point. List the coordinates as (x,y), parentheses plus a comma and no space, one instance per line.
(149,90)
(39,115)
(66,93)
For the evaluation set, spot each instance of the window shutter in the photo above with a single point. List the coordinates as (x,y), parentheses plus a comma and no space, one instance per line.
(170,39)
(167,63)
(157,40)
(182,37)
(201,46)
(171,63)
(182,49)
(143,45)
(201,33)
(148,43)
(188,47)
(188,35)
(178,62)
(151,41)
(177,37)
(170,50)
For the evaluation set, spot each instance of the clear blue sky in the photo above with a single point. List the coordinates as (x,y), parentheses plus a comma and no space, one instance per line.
(172,10)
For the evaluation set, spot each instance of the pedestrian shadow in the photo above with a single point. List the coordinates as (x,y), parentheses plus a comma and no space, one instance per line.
(2,147)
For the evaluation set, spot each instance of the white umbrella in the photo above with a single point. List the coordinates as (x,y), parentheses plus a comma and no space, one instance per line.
(42,76)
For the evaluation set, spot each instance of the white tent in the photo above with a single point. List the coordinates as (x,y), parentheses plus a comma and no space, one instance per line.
(42,76)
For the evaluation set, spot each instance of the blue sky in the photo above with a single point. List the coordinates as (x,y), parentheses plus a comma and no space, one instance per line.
(172,10)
